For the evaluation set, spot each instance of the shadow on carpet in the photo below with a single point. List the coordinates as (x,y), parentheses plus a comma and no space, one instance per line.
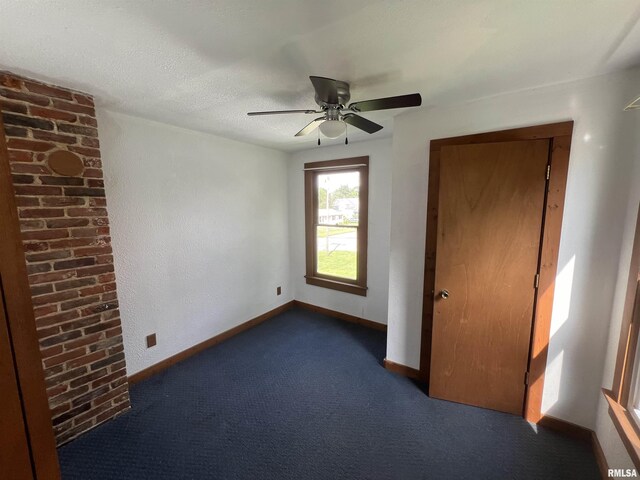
(304,396)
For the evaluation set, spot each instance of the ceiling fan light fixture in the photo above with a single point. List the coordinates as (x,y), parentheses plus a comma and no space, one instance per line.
(332,128)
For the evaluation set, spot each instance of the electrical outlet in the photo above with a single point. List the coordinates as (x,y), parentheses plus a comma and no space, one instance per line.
(278,290)
(151,340)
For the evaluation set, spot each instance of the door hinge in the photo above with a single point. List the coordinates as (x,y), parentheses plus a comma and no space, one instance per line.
(548,172)
(526,378)
(536,281)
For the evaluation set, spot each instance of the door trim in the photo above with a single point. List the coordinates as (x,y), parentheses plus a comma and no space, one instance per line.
(22,328)
(559,135)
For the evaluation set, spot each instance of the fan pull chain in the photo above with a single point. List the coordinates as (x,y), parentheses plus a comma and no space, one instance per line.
(318,137)
(346,134)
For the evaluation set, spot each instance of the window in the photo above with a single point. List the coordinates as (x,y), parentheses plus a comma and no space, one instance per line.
(624,396)
(336,207)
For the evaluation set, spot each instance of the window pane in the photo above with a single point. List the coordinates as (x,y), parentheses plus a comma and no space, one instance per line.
(338,201)
(337,249)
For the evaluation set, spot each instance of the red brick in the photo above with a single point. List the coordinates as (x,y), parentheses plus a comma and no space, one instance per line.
(57,319)
(25,97)
(36,247)
(13,107)
(64,357)
(45,234)
(104,259)
(83,341)
(47,332)
(92,163)
(89,152)
(90,121)
(51,351)
(41,212)
(67,222)
(16,132)
(10,81)
(62,201)
(38,268)
(73,107)
(87,212)
(29,168)
(48,90)
(77,283)
(27,202)
(44,310)
(92,173)
(55,297)
(111,395)
(52,114)
(36,190)
(91,251)
(43,257)
(41,289)
(113,332)
(80,302)
(73,242)
(55,137)
(51,277)
(90,142)
(30,145)
(20,156)
(83,99)
(87,359)
(96,270)
(57,390)
(74,263)
(31,225)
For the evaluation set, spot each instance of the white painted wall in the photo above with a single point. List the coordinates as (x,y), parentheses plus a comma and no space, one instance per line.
(200,232)
(594,221)
(613,447)
(374,305)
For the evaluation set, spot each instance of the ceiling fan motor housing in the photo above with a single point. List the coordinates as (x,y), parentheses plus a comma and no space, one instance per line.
(343,95)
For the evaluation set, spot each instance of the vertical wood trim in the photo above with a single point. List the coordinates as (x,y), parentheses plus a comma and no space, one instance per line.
(551,228)
(309,220)
(626,348)
(15,456)
(430,263)
(363,225)
(22,326)
(560,135)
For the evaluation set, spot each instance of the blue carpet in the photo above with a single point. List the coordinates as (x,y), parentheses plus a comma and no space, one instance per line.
(304,396)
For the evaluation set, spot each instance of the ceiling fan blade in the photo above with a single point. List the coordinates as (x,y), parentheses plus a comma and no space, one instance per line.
(310,127)
(326,89)
(279,112)
(401,101)
(361,123)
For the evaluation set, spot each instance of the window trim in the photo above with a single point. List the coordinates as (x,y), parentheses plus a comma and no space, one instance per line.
(311,171)
(618,397)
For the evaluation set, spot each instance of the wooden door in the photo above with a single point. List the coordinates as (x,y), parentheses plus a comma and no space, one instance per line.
(21,373)
(15,461)
(491,201)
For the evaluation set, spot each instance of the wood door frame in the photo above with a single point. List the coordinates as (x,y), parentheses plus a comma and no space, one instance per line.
(22,329)
(559,135)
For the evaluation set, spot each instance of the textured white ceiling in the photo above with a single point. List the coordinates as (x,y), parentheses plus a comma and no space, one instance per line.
(203,64)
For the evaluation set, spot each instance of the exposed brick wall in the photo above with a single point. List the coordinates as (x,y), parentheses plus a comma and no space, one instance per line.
(65,230)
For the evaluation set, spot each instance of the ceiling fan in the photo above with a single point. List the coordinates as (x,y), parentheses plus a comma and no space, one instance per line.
(332,97)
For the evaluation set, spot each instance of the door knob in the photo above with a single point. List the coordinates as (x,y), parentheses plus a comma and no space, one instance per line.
(444,294)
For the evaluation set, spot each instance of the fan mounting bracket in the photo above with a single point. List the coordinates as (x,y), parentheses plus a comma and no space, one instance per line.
(344,95)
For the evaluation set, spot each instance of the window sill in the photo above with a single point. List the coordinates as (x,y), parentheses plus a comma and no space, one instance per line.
(337,285)
(625,426)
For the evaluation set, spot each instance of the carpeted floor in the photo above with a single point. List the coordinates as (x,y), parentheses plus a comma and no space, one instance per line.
(304,396)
